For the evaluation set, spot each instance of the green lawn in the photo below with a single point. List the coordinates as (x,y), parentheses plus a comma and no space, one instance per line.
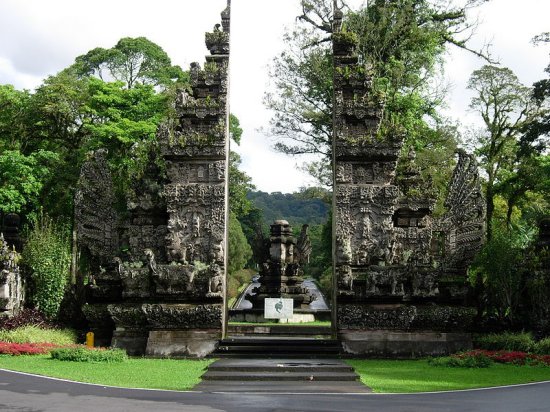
(392,376)
(135,373)
(388,376)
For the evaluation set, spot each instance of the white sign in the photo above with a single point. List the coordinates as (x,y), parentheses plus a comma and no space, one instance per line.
(278,308)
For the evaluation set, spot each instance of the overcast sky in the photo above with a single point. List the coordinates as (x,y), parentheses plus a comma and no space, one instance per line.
(38,38)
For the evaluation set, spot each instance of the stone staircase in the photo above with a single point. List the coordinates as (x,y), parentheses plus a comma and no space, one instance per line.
(281,376)
(277,347)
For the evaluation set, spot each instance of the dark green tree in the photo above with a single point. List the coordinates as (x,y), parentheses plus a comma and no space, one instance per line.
(132,61)
(506,107)
(403,42)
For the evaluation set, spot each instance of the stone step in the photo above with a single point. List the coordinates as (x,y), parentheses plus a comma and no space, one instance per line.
(319,332)
(283,375)
(281,366)
(279,376)
(277,347)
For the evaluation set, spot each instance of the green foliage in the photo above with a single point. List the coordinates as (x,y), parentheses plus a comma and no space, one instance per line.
(542,347)
(477,360)
(235,130)
(35,334)
(295,208)
(506,107)
(47,254)
(133,61)
(498,266)
(95,355)
(239,251)
(240,184)
(22,179)
(13,117)
(522,342)
(237,281)
(109,98)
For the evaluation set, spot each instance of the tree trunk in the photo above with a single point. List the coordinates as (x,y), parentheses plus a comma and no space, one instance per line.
(490,210)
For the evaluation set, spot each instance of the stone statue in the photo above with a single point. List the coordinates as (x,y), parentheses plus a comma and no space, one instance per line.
(304,246)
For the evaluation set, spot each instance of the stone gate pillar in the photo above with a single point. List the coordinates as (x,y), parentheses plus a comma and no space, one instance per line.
(400,289)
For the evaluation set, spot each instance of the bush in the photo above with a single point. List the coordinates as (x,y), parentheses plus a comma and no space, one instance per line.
(522,342)
(47,254)
(467,360)
(35,334)
(542,347)
(84,354)
(24,318)
(16,349)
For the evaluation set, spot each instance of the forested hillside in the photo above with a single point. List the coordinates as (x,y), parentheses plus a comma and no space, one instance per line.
(293,207)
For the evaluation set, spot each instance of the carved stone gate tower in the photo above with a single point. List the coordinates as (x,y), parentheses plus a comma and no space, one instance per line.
(399,274)
(158,274)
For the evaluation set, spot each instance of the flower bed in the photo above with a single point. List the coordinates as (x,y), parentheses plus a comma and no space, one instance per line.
(511,357)
(15,349)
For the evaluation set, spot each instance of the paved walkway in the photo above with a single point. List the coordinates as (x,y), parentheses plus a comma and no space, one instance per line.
(21,392)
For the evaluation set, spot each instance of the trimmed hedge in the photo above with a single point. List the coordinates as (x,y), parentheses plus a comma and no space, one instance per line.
(542,347)
(84,354)
(463,360)
(521,342)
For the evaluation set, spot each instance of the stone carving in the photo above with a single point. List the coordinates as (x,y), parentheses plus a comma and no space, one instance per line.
(281,275)
(303,246)
(433,317)
(183,316)
(464,222)
(12,288)
(95,219)
(216,282)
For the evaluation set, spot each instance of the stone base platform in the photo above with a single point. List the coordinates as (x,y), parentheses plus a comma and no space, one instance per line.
(196,343)
(402,344)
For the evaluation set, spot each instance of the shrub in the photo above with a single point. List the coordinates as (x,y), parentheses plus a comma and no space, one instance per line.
(468,360)
(510,357)
(35,334)
(542,347)
(47,254)
(24,318)
(522,342)
(16,349)
(84,354)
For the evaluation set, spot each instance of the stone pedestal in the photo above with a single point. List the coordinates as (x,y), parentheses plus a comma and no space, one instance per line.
(182,343)
(133,341)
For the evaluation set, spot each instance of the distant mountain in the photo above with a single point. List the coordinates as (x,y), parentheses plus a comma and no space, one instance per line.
(292,207)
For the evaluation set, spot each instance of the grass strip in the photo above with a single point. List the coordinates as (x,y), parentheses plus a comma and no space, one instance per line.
(406,376)
(174,374)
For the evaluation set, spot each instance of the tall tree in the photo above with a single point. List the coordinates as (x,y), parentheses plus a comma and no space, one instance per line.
(13,117)
(132,61)
(403,42)
(505,106)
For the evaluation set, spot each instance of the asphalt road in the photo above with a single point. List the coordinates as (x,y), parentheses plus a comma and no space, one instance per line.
(27,393)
